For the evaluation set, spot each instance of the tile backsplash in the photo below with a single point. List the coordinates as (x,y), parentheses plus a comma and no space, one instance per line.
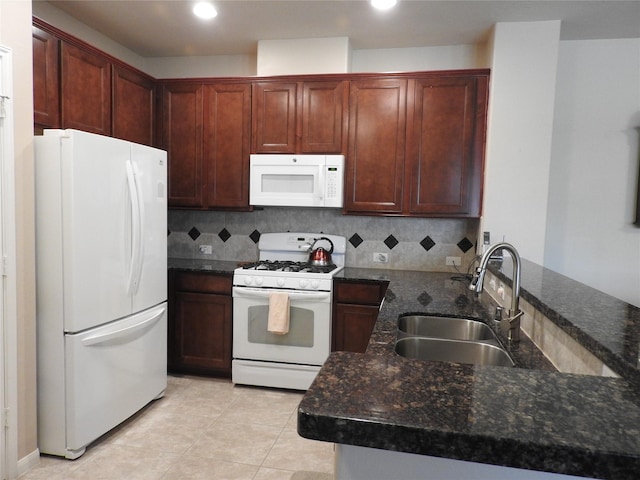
(411,243)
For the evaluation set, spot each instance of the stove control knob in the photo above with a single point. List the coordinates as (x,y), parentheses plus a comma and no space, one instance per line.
(303,283)
(248,280)
(259,281)
(280,282)
(315,284)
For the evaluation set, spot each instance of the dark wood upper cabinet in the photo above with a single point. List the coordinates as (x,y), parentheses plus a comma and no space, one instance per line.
(133,106)
(445,145)
(78,86)
(227,142)
(46,80)
(414,142)
(182,120)
(324,117)
(274,117)
(86,90)
(299,116)
(375,164)
(206,131)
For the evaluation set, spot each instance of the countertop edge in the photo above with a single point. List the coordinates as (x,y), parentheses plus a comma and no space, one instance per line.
(498,452)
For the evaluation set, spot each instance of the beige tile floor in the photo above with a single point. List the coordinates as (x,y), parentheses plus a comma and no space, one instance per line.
(202,429)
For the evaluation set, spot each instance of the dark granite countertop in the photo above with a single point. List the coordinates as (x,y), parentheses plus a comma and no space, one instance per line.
(531,417)
(607,327)
(219,267)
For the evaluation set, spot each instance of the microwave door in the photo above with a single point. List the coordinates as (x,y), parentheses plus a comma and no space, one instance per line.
(282,185)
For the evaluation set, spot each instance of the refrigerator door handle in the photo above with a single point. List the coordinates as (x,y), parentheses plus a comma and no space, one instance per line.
(121,333)
(141,220)
(132,284)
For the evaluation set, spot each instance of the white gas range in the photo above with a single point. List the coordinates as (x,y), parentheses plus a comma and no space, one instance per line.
(292,359)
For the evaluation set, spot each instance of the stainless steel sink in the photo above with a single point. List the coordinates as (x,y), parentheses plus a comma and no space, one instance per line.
(444,327)
(459,351)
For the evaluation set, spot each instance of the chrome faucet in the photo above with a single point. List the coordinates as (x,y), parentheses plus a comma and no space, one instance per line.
(512,321)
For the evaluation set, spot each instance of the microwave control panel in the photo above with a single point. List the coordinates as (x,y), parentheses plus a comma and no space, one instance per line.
(334,171)
(332,181)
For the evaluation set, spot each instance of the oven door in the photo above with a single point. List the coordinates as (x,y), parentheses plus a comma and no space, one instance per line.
(308,340)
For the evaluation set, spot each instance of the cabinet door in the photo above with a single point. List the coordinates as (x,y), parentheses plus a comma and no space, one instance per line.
(182,139)
(443,156)
(46,80)
(202,336)
(324,111)
(227,132)
(356,308)
(133,106)
(375,164)
(274,117)
(86,90)
(352,326)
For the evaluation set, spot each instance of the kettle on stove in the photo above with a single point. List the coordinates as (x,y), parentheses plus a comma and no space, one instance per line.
(320,256)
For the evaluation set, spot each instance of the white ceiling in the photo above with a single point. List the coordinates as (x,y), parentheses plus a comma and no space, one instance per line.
(168,28)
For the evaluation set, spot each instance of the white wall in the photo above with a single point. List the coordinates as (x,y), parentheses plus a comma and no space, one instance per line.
(595,159)
(15,33)
(418,59)
(304,56)
(201,67)
(523,72)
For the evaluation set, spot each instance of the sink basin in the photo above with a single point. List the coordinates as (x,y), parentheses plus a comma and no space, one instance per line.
(444,327)
(478,353)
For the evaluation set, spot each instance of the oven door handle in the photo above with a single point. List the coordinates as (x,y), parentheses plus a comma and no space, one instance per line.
(248,292)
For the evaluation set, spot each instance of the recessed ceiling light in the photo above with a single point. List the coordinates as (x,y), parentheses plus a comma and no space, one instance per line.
(204,10)
(383,4)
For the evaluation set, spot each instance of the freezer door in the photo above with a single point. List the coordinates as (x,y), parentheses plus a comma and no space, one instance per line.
(112,372)
(150,274)
(96,224)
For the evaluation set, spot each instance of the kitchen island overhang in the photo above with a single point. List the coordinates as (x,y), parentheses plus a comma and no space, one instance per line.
(523,418)
(493,415)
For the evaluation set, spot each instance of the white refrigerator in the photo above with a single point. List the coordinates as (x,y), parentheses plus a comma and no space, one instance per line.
(101,265)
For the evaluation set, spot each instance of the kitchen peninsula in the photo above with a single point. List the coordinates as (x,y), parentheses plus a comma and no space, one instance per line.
(393,416)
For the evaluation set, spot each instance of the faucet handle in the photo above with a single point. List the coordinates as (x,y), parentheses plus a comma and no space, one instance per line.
(512,325)
(516,316)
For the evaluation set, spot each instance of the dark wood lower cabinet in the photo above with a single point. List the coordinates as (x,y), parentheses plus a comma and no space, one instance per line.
(200,325)
(353,325)
(355,312)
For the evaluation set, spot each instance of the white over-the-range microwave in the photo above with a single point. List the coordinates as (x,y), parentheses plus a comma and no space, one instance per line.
(296,180)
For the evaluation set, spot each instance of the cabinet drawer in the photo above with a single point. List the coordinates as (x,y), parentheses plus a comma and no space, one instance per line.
(203,282)
(360,293)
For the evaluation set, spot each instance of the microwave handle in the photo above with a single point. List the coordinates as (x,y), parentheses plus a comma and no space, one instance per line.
(248,292)
(321,184)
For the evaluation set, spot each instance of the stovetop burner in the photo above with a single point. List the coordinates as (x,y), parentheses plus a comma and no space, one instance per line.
(289,266)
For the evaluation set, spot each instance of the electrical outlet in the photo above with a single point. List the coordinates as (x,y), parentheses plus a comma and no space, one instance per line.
(205,249)
(453,261)
(380,257)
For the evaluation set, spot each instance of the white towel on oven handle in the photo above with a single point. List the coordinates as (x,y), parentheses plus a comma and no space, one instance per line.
(278,322)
